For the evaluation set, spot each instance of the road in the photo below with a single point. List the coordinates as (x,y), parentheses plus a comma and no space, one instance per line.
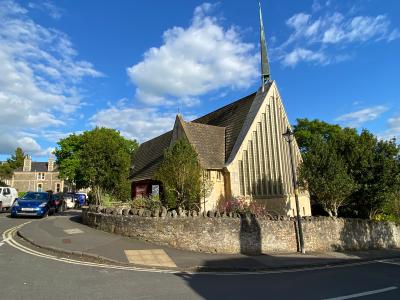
(26,276)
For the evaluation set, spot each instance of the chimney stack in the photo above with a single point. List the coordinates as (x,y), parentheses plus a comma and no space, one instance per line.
(27,164)
(50,166)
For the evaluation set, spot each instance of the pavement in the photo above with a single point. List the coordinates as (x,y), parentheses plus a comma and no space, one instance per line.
(66,234)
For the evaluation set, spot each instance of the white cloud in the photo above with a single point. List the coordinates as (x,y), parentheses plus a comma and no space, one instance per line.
(40,78)
(301,54)
(47,7)
(194,61)
(317,33)
(393,130)
(10,141)
(135,123)
(357,118)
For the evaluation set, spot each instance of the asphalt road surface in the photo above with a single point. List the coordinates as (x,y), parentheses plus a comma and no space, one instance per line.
(27,276)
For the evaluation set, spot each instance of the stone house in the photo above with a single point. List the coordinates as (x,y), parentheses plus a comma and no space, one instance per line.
(240,146)
(37,176)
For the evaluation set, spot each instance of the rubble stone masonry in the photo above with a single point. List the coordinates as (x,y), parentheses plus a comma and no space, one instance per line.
(247,234)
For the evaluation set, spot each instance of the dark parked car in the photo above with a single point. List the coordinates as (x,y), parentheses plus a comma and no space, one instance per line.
(38,204)
(59,202)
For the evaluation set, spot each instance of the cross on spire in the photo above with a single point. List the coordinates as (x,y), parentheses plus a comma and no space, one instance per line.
(265,72)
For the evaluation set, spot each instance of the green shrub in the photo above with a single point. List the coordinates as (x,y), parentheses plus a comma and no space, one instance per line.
(21,194)
(151,202)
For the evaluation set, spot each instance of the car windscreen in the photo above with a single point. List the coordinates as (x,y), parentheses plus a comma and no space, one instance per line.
(35,196)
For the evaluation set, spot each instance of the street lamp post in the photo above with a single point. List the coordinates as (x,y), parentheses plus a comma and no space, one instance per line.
(288,135)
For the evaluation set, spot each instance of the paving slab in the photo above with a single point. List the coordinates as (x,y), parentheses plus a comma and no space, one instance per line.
(67,234)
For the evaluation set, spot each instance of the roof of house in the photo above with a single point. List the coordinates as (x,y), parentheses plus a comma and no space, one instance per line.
(213,136)
(232,117)
(38,166)
(149,156)
(209,142)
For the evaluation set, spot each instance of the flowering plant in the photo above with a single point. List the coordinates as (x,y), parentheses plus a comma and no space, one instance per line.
(242,205)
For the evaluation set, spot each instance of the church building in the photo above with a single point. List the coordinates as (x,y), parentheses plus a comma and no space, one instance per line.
(241,147)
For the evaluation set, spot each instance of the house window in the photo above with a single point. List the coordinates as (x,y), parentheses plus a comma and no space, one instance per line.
(40,176)
(219,176)
(207,174)
(58,187)
(40,187)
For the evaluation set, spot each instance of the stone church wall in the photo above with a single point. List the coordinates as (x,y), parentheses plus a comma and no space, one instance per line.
(231,233)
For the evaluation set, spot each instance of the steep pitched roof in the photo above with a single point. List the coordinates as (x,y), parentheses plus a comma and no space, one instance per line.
(149,156)
(232,117)
(209,142)
(38,166)
(213,143)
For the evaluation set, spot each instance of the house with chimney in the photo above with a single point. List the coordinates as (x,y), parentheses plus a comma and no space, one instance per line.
(240,146)
(37,177)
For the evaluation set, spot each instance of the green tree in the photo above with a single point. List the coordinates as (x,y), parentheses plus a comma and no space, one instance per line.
(69,160)
(375,166)
(106,160)
(372,164)
(7,168)
(6,172)
(324,173)
(99,159)
(17,159)
(181,173)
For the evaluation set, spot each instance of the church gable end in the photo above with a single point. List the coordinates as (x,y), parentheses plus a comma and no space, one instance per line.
(261,163)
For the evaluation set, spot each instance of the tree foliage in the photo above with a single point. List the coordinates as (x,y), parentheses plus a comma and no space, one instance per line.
(325,174)
(181,174)
(372,165)
(99,159)
(69,160)
(16,161)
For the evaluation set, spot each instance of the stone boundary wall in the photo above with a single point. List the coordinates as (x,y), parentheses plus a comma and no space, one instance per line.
(247,234)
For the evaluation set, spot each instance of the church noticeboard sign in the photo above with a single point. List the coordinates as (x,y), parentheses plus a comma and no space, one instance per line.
(141,190)
(155,190)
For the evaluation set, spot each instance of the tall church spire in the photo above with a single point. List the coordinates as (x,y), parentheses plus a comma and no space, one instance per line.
(265,73)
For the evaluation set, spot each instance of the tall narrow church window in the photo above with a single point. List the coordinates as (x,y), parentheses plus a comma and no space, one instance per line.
(246,172)
(241,178)
(253,187)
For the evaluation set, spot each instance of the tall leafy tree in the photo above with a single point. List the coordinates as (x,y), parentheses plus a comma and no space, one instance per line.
(325,175)
(6,172)
(99,159)
(181,174)
(106,160)
(7,168)
(69,161)
(375,166)
(17,159)
(372,164)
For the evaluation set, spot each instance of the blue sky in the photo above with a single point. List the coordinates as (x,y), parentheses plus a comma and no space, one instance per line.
(68,66)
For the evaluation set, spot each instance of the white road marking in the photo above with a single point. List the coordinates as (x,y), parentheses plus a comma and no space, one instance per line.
(2,242)
(389,262)
(9,233)
(73,231)
(391,288)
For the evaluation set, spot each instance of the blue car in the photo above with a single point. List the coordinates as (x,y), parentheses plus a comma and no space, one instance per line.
(35,204)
